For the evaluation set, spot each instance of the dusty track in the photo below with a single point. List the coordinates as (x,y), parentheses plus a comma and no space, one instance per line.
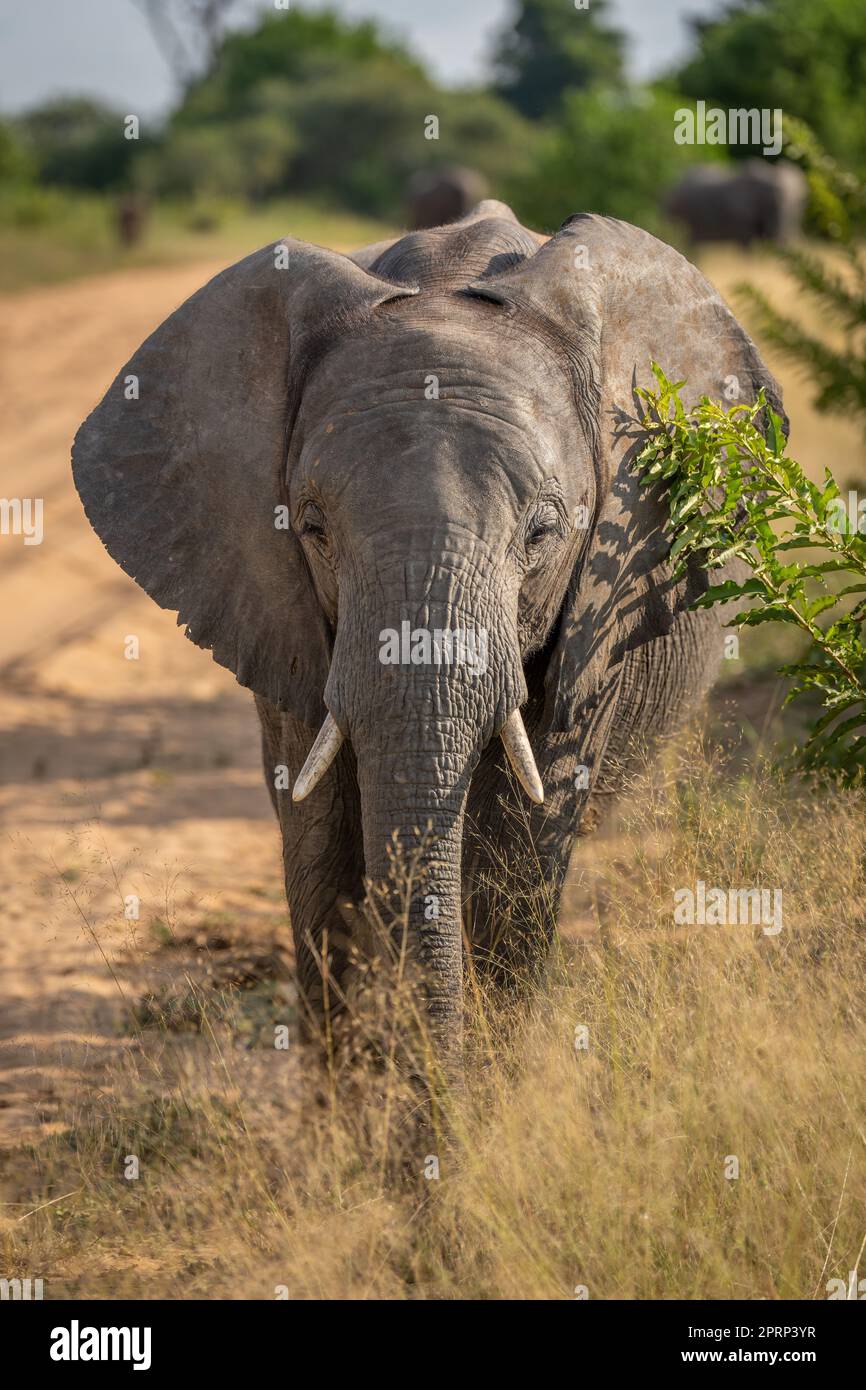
(119,777)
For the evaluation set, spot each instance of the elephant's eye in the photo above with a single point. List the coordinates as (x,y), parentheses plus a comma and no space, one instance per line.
(313,524)
(544,525)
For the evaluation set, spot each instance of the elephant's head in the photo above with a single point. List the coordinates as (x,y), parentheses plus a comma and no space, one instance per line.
(378,488)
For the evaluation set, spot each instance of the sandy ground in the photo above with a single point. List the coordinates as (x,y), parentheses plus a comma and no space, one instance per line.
(128,777)
(119,776)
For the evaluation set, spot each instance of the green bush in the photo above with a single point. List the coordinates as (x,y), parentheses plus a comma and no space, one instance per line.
(310,105)
(252,161)
(30,206)
(78,143)
(17,165)
(611,151)
(361,136)
(734,495)
(808,59)
(550,49)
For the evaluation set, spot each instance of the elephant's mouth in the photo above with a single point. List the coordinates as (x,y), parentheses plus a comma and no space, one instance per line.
(513,733)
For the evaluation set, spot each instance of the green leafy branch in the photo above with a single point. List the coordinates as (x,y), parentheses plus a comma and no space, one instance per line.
(734,495)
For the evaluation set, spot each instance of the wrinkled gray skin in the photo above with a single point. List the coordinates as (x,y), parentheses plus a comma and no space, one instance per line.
(307,387)
(756,201)
(437,196)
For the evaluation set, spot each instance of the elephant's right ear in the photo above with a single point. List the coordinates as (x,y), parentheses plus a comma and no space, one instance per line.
(618,299)
(181,467)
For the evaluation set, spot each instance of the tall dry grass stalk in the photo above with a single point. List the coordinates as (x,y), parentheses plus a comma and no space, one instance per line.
(607,1165)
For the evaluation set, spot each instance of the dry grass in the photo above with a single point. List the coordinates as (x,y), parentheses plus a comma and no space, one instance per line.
(31,253)
(603,1167)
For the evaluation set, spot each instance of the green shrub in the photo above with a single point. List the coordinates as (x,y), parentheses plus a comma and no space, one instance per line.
(549,50)
(611,151)
(75,142)
(17,165)
(735,495)
(807,59)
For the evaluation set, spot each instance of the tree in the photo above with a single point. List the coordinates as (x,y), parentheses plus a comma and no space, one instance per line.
(598,131)
(361,135)
(309,103)
(78,143)
(289,48)
(734,495)
(16,163)
(188,33)
(807,59)
(553,47)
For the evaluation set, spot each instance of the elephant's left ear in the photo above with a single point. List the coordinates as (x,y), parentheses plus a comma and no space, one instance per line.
(182,466)
(619,299)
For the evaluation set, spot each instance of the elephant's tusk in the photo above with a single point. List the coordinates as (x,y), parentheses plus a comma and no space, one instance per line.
(319,759)
(519,750)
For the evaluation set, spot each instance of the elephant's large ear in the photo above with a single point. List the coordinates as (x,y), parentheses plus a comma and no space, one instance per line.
(618,299)
(181,467)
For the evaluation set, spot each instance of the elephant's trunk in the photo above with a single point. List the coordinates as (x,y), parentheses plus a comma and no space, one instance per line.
(420,686)
(413,797)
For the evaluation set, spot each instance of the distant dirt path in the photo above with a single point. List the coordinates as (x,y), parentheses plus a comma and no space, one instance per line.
(118,777)
(61,349)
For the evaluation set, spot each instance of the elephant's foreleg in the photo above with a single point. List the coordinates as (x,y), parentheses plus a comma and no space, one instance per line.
(323,865)
(516,865)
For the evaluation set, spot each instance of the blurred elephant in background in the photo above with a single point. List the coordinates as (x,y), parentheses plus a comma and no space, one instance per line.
(438,196)
(393,493)
(131,214)
(755,201)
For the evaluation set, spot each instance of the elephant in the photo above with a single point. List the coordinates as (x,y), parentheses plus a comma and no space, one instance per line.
(393,492)
(437,196)
(131,216)
(753,202)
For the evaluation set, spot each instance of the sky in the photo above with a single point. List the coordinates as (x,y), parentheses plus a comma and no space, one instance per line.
(104,48)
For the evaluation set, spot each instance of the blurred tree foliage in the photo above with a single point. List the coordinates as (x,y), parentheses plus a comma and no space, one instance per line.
(17,165)
(361,135)
(78,143)
(836,373)
(307,103)
(612,151)
(807,57)
(553,47)
(288,47)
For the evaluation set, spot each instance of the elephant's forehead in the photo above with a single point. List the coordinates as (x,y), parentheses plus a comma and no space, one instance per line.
(440,408)
(472,359)
(431,455)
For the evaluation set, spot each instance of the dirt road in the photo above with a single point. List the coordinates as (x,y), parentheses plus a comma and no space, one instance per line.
(119,777)
(125,779)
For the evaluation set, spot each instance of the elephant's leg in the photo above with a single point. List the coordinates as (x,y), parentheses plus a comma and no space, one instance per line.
(514,886)
(516,854)
(663,683)
(323,864)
